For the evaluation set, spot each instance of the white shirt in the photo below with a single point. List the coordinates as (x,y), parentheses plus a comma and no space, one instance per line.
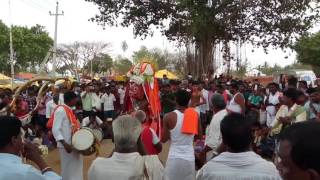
(61,129)
(50,108)
(205,107)
(271,110)
(108,101)
(234,106)
(86,122)
(122,93)
(12,168)
(96,101)
(238,166)
(125,166)
(213,138)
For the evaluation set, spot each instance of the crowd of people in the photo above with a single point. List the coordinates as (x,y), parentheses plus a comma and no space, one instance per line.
(222,128)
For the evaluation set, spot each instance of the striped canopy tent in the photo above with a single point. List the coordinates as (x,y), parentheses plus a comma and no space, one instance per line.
(159,74)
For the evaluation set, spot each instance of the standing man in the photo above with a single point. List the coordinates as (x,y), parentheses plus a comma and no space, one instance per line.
(181,159)
(108,100)
(289,113)
(272,102)
(122,93)
(214,138)
(204,108)
(87,100)
(64,125)
(313,105)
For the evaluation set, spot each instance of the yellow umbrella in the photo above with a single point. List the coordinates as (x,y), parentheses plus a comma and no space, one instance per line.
(4,79)
(159,74)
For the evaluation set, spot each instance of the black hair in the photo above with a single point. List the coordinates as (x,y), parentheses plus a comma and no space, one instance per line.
(69,96)
(292,81)
(92,114)
(274,84)
(305,147)
(236,132)
(9,127)
(304,83)
(300,93)
(235,86)
(291,93)
(182,98)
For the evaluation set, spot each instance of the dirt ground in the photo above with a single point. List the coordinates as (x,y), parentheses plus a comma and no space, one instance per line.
(53,158)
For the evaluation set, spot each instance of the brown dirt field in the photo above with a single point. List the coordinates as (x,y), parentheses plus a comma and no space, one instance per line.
(53,158)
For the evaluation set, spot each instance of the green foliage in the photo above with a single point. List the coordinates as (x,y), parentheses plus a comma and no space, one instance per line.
(122,65)
(101,63)
(260,22)
(30,45)
(159,58)
(308,50)
(205,23)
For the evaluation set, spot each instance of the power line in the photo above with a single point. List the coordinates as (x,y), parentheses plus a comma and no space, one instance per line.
(33,6)
(40,5)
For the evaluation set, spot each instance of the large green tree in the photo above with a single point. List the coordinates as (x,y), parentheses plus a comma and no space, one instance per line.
(102,63)
(30,46)
(205,23)
(308,50)
(122,65)
(159,58)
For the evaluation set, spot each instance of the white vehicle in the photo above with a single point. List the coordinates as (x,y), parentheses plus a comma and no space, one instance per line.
(302,75)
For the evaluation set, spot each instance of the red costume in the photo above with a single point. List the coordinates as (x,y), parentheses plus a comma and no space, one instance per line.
(142,93)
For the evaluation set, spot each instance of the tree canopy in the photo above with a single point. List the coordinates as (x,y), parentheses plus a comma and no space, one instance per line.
(122,65)
(207,22)
(308,50)
(30,46)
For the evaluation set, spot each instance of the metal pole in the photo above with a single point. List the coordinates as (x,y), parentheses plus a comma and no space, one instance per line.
(54,61)
(11,49)
(55,39)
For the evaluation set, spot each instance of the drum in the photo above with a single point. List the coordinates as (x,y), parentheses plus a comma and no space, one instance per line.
(98,134)
(83,140)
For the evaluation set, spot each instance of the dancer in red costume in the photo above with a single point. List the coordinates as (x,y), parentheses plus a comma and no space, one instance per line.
(142,93)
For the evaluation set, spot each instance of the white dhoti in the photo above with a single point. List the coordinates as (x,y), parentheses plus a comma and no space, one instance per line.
(180,169)
(271,115)
(71,165)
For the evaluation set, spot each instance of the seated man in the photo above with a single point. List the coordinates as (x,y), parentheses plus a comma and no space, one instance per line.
(126,162)
(149,138)
(239,162)
(11,146)
(297,155)
(92,121)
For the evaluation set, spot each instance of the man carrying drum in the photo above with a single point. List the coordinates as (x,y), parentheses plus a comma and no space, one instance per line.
(64,125)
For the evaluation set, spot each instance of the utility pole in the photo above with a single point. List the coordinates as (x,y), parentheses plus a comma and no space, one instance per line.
(54,63)
(11,49)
